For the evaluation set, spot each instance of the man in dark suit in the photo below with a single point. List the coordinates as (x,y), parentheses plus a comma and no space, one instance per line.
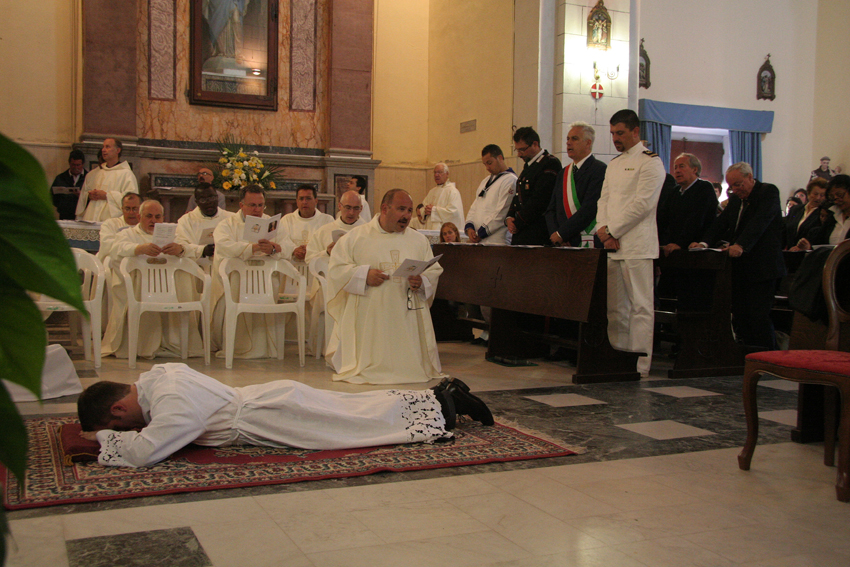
(571,215)
(526,221)
(750,230)
(73,177)
(686,214)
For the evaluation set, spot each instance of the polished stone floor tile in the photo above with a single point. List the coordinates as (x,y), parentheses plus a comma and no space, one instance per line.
(176,547)
(565,400)
(665,429)
(785,417)
(682,392)
(785,385)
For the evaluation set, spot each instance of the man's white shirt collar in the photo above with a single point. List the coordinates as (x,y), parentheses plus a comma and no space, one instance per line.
(578,164)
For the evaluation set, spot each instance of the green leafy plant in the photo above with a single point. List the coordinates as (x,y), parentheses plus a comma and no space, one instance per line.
(35,256)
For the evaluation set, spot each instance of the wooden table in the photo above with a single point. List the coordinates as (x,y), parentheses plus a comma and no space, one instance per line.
(566,283)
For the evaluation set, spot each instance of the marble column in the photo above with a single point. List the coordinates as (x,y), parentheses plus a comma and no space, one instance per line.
(109,69)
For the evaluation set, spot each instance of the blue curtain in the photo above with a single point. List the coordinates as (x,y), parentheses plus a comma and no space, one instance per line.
(659,135)
(746,146)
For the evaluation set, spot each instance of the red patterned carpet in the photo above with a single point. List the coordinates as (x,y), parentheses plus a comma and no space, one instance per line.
(49,482)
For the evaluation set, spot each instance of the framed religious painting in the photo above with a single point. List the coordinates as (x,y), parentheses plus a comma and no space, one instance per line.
(233,53)
(766,81)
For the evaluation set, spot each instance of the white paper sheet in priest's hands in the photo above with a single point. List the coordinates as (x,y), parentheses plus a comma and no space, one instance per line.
(414,267)
(163,233)
(257,228)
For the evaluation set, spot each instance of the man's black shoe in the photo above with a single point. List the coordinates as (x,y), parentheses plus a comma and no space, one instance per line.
(466,403)
(447,406)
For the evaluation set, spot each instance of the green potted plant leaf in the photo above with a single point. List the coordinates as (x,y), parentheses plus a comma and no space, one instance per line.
(36,257)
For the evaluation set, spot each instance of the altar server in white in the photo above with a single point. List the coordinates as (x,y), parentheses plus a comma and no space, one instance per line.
(383,332)
(485,221)
(100,197)
(255,333)
(442,203)
(160,334)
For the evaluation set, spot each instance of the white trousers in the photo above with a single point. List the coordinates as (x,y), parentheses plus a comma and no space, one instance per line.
(631,311)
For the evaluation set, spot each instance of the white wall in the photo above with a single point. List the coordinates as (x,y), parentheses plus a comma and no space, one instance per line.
(709,53)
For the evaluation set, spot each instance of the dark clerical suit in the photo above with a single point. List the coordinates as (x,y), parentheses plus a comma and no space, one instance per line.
(684,218)
(533,191)
(794,231)
(67,204)
(755,273)
(588,182)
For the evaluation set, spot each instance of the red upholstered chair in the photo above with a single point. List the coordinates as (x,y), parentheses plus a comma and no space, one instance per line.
(828,367)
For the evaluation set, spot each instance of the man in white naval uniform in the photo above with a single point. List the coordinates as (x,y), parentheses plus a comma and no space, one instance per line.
(160,332)
(100,197)
(383,332)
(173,406)
(255,333)
(625,223)
(442,203)
(321,241)
(485,221)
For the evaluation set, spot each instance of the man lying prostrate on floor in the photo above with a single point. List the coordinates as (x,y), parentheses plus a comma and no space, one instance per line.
(173,405)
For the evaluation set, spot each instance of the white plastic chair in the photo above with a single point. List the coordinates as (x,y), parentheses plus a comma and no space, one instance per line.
(93,277)
(320,332)
(158,292)
(259,293)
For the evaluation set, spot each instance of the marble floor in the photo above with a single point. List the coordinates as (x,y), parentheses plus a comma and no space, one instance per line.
(656,483)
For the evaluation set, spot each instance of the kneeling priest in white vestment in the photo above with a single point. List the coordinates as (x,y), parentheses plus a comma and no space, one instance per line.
(383,332)
(160,332)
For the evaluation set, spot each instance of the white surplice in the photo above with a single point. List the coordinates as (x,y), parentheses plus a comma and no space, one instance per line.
(382,334)
(116,181)
(322,238)
(446,206)
(183,406)
(255,333)
(159,333)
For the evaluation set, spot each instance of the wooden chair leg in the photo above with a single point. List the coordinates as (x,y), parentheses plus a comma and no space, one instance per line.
(751,382)
(829,424)
(842,484)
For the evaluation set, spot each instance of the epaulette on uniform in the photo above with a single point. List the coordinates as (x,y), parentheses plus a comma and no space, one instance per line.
(650,153)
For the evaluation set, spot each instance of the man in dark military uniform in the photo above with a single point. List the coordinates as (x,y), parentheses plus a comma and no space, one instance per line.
(526,218)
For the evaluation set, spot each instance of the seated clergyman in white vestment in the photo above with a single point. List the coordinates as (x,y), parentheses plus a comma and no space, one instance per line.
(255,333)
(109,229)
(383,332)
(322,241)
(159,332)
(100,197)
(301,224)
(174,405)
(195,231)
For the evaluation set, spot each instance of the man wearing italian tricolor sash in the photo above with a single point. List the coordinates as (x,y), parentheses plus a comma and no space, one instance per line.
(571,216)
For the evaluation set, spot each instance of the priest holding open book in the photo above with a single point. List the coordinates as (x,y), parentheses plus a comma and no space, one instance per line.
(383,332)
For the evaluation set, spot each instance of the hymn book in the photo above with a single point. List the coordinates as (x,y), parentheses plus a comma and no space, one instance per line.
(257,229)
(163,233)
(414,267)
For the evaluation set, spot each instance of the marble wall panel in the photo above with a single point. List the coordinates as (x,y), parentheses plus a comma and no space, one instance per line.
(302,81)
(178,120)
(161,34)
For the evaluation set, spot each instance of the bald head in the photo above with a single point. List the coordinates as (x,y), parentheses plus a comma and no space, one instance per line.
(151,214)
(350,207)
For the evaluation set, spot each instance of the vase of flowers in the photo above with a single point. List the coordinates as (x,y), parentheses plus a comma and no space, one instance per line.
(237,168)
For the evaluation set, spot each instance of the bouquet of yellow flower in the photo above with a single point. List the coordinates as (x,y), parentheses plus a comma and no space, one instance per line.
(239,168)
